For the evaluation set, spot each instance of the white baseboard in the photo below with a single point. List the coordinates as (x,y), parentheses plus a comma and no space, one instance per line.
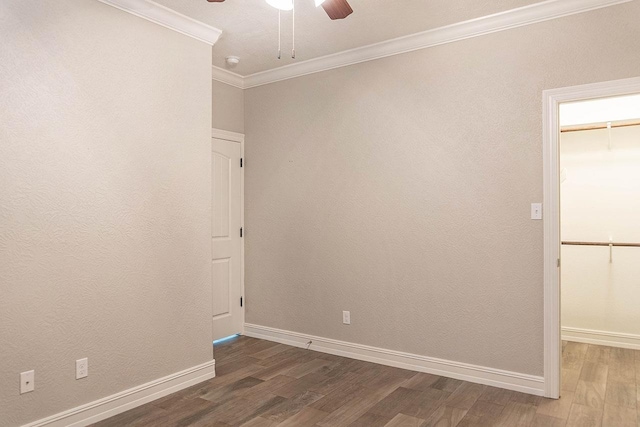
(611,339)
(120,402)
(463,371)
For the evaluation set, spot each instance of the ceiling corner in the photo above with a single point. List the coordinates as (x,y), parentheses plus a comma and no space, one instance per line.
(227,77)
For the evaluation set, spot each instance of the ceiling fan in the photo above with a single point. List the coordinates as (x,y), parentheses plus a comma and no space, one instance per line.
(336,9)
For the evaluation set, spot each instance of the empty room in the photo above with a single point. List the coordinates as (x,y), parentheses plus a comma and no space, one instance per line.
(320,213)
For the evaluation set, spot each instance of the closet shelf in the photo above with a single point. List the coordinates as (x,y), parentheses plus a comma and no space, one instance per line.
(631,245)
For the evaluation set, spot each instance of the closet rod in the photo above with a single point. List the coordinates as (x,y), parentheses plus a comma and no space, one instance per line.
(593,126)
(630,245)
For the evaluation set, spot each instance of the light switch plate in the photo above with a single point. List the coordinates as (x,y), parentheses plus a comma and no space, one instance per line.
(536,210)
(346,317)
(27,382)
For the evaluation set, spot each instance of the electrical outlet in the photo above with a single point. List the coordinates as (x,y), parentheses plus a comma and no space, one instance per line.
(82,368)
(27,382)
(346,317)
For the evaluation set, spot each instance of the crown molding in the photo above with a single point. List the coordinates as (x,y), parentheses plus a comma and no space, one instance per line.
(154,12)
(227,77)
(539,12)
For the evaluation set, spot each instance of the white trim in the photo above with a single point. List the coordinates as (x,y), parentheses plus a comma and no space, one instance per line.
(611,339)
(168,18)
(227,135)
(120,402)
(551,226)
(463,371)
(244,295)
(514,18)
(551,101)
(227,77)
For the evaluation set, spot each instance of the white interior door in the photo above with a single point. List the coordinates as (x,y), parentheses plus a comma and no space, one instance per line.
(226,187)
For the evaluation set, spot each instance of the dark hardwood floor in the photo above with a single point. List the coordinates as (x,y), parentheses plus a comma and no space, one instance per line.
(264,384)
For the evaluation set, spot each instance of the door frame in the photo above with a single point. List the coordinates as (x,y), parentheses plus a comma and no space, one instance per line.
(551,181)
(239,138)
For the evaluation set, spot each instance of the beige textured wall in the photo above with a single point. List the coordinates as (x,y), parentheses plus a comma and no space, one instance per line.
(400,190)
(105,124)
(228,107)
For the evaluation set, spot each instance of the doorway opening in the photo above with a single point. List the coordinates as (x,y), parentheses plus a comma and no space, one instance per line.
(227,234)
(592,241)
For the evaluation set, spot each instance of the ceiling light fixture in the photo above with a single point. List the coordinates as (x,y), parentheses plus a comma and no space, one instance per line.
(282,4)
(336,9)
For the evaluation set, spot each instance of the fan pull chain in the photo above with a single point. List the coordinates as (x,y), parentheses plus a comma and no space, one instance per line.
(279,34)
(293,31)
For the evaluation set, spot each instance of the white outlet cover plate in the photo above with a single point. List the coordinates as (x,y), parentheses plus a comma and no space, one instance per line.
(82,368)
(27,382)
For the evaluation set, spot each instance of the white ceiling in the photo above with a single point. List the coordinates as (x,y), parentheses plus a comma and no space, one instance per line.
(250,27)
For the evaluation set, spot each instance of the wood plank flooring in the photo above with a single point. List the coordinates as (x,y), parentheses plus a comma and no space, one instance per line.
(265,384)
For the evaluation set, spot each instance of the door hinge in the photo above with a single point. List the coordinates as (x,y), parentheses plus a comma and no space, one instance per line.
(240,161)
(240,231)
(240,301)
(558,262)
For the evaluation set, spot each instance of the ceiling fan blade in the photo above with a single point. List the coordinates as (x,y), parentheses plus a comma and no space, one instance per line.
(337,9)
(215,1)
